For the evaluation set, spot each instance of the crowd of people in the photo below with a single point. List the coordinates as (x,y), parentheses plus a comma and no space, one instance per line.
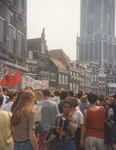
(36,119)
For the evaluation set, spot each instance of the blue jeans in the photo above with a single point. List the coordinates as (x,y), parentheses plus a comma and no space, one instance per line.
(27,146)
(57,145)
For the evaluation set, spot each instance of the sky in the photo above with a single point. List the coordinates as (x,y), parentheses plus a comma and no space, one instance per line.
(61,20)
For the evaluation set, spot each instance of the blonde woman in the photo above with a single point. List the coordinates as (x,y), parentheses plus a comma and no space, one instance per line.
(84,103)
(23,120)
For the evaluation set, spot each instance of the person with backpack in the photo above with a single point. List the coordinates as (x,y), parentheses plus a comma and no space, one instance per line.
(94,119)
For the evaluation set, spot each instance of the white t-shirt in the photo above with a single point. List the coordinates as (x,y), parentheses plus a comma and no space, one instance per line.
(4,101)
(80,119)
(7,107)
(111,112)
(56,99)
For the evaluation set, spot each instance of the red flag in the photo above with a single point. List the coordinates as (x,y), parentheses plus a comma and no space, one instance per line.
(16,79)
(6,80)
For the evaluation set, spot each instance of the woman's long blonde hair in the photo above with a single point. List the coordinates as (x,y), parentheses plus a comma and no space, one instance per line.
(25,106)
(84,99)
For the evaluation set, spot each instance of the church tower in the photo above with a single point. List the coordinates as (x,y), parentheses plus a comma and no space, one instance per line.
(97,42)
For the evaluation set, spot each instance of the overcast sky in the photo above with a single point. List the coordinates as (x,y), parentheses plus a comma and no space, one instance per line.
(61,20)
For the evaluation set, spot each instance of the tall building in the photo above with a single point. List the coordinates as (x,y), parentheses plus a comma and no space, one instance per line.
(13,28)
(38,58)
(97,42)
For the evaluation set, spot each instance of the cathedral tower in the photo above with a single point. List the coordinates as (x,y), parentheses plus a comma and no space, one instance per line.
(97,42)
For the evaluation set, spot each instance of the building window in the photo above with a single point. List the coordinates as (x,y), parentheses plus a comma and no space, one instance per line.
(1,10)
(33,69)
(46,77)
(62,79)
(30,55)
(52,76)
(11,38)
(1,30)
(20,6)
(19,45)
(71,73)
(66,79)
(59,78)
(114,52)
(103,82)
(28,68)
(43,49)
(99,81)
(86,52)
(99,90)
(81,53)
(71,86)
(96,50)
(91,51)
(77,88)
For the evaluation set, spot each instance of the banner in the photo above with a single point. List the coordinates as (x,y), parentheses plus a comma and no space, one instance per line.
(36,84)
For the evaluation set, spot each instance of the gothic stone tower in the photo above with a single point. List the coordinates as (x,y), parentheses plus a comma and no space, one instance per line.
(97,41)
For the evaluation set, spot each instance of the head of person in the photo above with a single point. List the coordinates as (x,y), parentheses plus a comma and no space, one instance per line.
(92,98)
(29,88)
(12,95)
(14,105)
(114,96)
(1,91)
(71,93)
(84,99)
(39,95)
(67,105)
(57,92)
(24,107)
(46,93)
(80,94)
(1,100)
(5,91)
(64,95)
(74,102)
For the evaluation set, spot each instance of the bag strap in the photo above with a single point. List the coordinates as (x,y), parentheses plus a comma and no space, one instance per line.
(106,115)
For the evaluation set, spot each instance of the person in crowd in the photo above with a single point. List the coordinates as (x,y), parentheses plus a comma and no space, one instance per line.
(84,103)
(19,92)
(79,134)
(23,120)
(38,96)
(4,93)
(94,119)
(112,105)
(71,94)
(6,140)
(29,88)
(12,97)
(79,95)
(56,97)
(51,96)
(63,96)
(69,143)
(48,113)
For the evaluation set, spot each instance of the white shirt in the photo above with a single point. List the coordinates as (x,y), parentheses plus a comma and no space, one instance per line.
(7,107)
(80,119)
(4,101)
